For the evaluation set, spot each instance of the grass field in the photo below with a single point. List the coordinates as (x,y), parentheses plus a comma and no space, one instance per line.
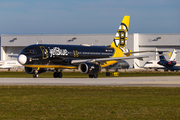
(69,102)
(79,75)
(88,102)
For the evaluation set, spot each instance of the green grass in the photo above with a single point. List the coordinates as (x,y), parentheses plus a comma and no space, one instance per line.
(87,102)
(79,75)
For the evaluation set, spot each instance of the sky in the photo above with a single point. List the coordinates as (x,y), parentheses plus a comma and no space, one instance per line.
(88,16)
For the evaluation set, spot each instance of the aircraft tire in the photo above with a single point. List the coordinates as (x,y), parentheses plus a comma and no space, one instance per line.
(91,76)
(35,75)
(59,74)
(95,75)
(55,74)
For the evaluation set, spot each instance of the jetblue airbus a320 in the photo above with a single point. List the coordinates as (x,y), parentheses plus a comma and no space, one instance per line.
(87,59)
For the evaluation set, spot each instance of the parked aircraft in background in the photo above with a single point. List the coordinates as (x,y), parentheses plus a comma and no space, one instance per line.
(153,64)
(169,65)
(8,64)
(87,59)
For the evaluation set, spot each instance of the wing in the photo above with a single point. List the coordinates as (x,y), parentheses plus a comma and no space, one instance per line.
(101,60)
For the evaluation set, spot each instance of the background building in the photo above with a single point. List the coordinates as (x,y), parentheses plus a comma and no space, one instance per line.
(13,44)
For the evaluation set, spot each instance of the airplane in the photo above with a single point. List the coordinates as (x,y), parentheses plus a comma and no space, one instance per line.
(169,65)
(8,64)
(87,59)
(153,64)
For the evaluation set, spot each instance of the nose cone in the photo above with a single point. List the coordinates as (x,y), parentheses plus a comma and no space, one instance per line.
(22,59)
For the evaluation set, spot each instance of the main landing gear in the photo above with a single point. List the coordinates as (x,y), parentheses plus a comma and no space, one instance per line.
(93,75)
(57,74)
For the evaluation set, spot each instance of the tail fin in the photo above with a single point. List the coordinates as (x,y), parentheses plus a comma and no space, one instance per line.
(161,57)
(172,55)
(120,39)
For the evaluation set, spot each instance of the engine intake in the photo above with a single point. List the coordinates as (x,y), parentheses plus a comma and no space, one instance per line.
(89,68)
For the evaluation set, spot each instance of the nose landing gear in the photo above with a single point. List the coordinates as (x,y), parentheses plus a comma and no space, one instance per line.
(35,75)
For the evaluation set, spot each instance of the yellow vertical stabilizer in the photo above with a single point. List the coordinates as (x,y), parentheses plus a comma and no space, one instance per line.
(170,54)
(120,40)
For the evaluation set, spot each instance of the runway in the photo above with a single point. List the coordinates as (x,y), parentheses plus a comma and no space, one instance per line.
(158,81)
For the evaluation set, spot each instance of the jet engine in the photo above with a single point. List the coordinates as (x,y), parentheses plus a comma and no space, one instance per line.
(169,63)
(30,70)
(89,68)
(172,63)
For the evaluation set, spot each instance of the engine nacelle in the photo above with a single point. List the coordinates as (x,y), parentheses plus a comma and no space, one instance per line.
(172,63)
(30,70)
(89,68)
(165,63)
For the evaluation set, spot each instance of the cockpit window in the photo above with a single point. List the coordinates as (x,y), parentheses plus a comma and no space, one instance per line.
(30,51)
(33,52)
(26,51)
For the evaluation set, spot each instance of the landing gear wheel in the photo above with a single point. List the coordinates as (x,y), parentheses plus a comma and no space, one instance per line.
(60,74)
(55,74)
(93,75)
(35,75)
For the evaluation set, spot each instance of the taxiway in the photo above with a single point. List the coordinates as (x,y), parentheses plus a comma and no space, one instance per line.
(158,81)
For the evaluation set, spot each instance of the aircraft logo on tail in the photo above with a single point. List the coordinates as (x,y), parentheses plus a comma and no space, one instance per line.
(120,40)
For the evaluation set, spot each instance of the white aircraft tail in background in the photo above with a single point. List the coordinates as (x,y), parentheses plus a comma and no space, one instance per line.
(172,55)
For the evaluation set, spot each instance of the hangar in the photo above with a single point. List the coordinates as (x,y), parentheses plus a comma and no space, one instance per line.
(13,44)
